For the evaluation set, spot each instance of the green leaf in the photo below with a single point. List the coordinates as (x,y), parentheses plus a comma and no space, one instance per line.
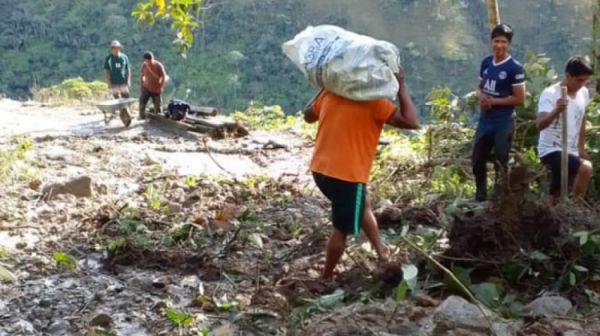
(178,318)
(65,260)
(580,268)
(538,256)
(115,244)
(190,181)
(543,60)
(462,275)
(404,230)
(572,279)
(487,293)
(256,240)
(409,274)
(401,291)
(224,304)
(7,275)
(583,237)
(204,329)
(515,309)
(514,270)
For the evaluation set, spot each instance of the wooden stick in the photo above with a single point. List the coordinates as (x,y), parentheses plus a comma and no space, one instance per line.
(564,163)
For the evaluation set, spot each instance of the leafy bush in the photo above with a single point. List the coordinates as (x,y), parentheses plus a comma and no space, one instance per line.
(73,89)
(13,162)
(273,118)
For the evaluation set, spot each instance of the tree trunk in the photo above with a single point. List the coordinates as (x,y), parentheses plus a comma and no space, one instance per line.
(492,13)
(596,44)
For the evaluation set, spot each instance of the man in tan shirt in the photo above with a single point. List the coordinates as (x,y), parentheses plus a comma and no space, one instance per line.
(153,78)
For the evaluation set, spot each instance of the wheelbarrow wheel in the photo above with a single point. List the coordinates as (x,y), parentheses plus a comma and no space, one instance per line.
(125,117)
(106,118)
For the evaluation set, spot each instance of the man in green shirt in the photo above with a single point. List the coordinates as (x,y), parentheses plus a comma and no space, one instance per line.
(117,71)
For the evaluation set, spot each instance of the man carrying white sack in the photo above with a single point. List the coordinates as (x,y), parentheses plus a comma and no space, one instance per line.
(359,75)
(577,72)
(345,146)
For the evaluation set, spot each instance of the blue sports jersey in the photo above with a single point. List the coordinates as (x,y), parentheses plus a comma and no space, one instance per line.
(498,80)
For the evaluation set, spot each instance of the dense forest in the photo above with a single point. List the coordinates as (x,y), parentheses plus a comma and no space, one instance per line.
(236,56)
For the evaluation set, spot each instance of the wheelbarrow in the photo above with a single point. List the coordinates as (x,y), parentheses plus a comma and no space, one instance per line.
(110,108)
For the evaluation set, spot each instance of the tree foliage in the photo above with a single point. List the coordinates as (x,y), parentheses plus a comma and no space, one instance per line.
(182,13)
(235,52)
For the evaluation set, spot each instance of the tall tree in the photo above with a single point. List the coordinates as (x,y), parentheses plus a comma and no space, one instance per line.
(492,13)
(595,45)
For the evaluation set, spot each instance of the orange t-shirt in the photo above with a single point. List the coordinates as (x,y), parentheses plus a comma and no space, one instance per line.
(348,135)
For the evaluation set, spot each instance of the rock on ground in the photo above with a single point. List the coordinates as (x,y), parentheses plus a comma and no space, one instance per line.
(79,187)
(548,306)
(457,313)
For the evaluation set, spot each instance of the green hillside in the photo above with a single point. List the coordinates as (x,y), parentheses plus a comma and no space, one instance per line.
(237,56)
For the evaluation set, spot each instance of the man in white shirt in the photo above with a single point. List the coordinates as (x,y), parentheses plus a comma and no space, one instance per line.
(551,105)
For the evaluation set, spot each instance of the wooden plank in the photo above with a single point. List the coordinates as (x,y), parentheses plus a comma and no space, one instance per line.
(204,110)
(206,122)
(196,111)
(214,126)
(178,127)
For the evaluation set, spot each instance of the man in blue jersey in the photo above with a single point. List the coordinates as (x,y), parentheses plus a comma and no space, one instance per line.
(501,87)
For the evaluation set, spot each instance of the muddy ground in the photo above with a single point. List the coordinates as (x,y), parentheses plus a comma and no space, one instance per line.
(144,176)
(228,236)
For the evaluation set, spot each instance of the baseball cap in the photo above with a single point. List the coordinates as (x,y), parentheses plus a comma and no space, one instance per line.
(115,43)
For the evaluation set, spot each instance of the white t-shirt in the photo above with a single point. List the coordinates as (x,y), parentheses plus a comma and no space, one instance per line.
(550,138)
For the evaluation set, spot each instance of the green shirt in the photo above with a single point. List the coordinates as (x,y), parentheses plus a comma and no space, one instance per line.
(117,67)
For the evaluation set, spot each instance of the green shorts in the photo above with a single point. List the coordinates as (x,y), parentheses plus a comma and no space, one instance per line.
(347,202)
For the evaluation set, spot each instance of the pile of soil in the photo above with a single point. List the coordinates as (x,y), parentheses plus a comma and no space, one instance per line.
(514,225)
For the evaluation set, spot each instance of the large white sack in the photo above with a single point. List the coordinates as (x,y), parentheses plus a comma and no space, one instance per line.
(354,66)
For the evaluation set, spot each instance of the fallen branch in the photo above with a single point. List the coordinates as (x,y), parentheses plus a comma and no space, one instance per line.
(489,262)
(235,235)
(212,158)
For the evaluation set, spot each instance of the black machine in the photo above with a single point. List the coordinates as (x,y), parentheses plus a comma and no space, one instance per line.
(177,109)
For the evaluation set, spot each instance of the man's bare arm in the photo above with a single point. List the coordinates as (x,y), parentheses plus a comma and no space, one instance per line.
(142,75)
(544,119)
(309,114)
(107,77)
(128,76)
(163,77)
(406,115)
(479,93)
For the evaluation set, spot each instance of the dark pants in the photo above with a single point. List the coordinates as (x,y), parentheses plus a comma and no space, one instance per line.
(121,95)
(119,91)
(347,202)
(156,101)
(552,161)
(491,136)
